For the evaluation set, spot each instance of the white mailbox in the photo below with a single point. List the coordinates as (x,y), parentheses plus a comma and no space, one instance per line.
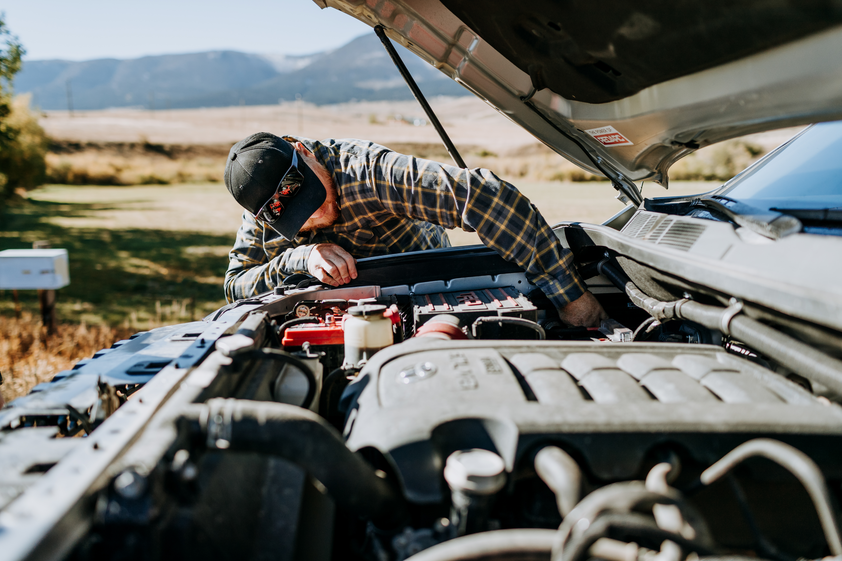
(30,269)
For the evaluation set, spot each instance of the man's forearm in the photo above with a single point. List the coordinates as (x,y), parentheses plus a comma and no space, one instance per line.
(251,281)
(248,277)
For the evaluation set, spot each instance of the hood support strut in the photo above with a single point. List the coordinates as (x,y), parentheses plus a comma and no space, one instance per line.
(410,81)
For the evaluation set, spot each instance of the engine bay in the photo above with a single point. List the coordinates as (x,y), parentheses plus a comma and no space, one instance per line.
(440,419)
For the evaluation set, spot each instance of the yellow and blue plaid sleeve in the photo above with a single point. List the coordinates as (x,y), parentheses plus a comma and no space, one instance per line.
(478,200)
(250,269)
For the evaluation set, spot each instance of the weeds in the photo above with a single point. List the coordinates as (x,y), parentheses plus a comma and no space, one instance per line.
(28,357)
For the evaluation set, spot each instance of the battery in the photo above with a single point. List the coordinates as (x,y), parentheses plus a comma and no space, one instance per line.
(468,305)
(315,334)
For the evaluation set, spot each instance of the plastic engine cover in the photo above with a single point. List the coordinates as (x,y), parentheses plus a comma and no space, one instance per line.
(612,403)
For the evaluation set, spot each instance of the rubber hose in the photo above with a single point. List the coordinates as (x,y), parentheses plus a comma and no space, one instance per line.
(303,438)
(523,322)
(275,354)
(562,475)
(626,527)
(499,545)
(287,324)
(799,357)
(796,462)
(625,496)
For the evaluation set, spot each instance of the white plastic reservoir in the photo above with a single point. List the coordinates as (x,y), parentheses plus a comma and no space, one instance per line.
(366,332)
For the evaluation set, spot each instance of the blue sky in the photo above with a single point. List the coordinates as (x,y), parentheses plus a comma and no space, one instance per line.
(88,29)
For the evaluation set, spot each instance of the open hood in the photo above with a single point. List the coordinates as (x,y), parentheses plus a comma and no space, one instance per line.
(628,88)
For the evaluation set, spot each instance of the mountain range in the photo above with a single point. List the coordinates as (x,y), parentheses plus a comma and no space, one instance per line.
(360,70)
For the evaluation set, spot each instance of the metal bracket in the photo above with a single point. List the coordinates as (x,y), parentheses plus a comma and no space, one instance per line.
(220,418)
(735,307)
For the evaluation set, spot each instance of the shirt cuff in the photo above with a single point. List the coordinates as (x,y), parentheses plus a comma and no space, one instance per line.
(561,291)
(294,260)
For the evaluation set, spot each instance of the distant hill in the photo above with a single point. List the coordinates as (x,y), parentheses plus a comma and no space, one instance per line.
(360,70)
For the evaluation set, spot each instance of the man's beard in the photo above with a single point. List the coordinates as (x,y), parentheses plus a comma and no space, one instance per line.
(329,218)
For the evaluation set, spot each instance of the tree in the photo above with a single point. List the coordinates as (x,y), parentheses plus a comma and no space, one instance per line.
(23,143)
(10,57)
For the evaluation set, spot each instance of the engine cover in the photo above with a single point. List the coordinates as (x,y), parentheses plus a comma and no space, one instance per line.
(611,404)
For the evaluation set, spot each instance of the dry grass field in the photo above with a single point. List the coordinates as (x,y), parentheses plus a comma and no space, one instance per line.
(28,357)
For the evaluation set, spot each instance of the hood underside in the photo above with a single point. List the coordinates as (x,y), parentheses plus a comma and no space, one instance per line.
(629,88)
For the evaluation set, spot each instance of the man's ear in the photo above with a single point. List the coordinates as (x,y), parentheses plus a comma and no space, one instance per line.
(303,149)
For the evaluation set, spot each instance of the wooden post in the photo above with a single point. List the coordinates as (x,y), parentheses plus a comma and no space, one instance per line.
(16,300)
(47,298)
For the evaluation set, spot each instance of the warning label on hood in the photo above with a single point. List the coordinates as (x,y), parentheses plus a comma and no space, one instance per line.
(609,136)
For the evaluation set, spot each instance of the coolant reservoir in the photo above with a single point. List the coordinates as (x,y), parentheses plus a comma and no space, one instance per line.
(367,331)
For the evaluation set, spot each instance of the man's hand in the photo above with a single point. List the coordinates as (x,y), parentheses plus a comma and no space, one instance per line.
(331,264)
(585,311)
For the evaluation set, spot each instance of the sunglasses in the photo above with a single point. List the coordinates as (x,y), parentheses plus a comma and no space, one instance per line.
(288,188)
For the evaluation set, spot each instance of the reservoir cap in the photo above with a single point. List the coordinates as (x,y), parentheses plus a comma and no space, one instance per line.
(475,471)
(367,310)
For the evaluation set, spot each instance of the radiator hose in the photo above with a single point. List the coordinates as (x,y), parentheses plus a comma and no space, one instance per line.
(303,438)
(499,545)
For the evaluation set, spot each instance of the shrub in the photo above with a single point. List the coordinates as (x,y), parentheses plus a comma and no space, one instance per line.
(22,149)
(719,162)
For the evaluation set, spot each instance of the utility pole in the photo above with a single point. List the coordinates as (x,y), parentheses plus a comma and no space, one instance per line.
(69,99)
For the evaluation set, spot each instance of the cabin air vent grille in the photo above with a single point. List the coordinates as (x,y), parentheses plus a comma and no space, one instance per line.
(640,225)
(669,231)
(661,229)
(681,235)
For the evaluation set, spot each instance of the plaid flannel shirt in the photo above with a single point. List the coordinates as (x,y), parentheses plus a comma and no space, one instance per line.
(392,203)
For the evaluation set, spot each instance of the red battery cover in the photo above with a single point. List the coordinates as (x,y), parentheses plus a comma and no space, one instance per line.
(316,335)
(327,334)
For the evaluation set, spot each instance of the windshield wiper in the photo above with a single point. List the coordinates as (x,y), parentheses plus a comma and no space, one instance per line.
(809,216)
(768,223)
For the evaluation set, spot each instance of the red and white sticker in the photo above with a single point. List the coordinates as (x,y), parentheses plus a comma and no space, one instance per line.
(609,136)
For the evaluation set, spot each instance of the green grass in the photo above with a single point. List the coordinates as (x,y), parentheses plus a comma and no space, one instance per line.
(150,255)
(129,261)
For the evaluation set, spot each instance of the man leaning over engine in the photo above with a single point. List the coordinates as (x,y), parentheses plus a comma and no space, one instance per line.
(315,206)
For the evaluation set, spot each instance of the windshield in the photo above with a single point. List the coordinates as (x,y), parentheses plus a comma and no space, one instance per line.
(805,174)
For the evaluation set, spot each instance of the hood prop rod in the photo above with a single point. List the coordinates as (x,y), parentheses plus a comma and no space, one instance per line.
(410,81)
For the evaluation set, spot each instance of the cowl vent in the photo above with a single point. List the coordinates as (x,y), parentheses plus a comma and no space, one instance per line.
(681,235)
(669,231)
(640,224)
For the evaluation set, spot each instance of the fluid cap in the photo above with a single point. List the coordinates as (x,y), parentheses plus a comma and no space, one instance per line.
(475,471)
(367,310)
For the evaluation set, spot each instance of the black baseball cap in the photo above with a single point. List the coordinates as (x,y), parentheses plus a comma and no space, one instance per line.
(253,172)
